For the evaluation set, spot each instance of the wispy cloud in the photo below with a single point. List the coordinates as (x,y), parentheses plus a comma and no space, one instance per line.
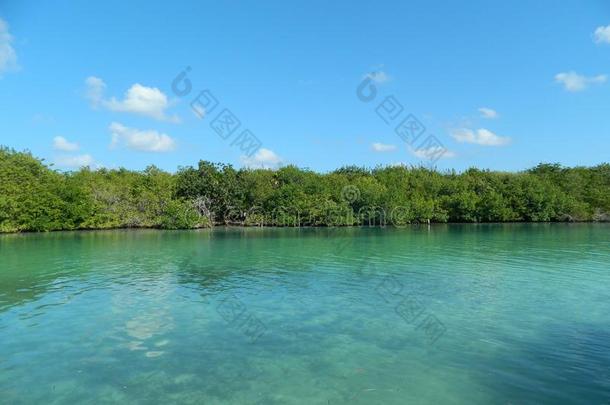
(41,118)
(8,56)
(488,113)
(138,99)
(262,159)
(432,151)
(75,162)
(602,35)
(573,82)
(141,140)
(95,91)
(481,136)
(61,143)
(382,147)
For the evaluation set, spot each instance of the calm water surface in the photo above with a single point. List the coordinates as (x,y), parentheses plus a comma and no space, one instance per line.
(457,314)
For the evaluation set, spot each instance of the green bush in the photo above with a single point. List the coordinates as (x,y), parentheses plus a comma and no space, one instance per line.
(35,197)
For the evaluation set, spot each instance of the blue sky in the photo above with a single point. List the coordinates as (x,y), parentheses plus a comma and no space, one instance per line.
(499,85)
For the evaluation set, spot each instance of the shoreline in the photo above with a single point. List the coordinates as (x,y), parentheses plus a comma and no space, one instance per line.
(231,226)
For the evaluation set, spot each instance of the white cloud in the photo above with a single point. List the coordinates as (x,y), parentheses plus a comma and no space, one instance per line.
(148,101)
(142,140)
(432,152)
(61,143)
(8,57)
(572,81)
(481,136)
(75,161)
(379,76)
(262,159)
(602,35)
(382,147)
(488,113)
(95,90)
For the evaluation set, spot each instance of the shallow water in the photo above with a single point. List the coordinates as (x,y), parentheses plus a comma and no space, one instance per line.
(447,314)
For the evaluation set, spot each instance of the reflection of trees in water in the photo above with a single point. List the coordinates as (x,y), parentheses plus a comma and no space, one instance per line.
(59,287)
(192,272)
(60,266)
(15,291)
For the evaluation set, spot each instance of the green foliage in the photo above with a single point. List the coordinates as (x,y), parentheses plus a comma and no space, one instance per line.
(31,195)
(34,197)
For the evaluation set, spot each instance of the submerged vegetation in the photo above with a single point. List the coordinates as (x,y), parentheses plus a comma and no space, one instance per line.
(34,197)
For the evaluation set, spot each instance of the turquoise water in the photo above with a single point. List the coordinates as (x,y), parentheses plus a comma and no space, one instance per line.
(448,314)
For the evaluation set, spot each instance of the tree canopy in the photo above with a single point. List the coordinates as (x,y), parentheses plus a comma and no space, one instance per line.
(35,197)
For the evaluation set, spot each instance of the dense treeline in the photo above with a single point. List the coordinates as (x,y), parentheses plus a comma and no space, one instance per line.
(34,197)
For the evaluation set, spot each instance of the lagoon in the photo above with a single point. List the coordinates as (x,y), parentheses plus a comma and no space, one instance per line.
(451,314)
